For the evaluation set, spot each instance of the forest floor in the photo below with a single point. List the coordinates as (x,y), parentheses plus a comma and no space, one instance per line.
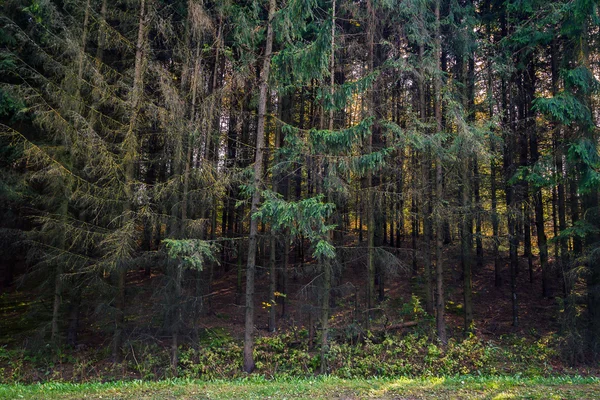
(492,307)
(319,388)
(22,311)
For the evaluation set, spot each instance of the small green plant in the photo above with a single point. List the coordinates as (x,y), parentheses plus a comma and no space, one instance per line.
(413,309)
(149,360)
(217,355)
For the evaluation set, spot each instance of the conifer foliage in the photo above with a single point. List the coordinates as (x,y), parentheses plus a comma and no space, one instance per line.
(262,143)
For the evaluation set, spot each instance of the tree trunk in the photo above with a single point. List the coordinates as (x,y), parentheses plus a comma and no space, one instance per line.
(272,283)
(509,188)
(258,172)
(325,314)
(64,207)
(74,308)
(370,190)
(592,216)
(477,209)
(439,222)
(414,211)
(425,175)
(562,244)
(537,195)
(466,245)
(58,271)
(131,150)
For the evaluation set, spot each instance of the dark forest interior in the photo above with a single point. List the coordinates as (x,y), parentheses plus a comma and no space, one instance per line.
(197,186)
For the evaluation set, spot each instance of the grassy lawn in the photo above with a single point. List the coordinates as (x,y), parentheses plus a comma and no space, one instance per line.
(319,388)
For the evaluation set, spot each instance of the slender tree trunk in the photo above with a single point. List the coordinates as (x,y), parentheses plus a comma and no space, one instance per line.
(180,232)
(131,150)
(591,215)
(493,171)
(477,209)
(258,172)
(414,210)
(555,226)
(325,314)
(326,264)
(58,289)
(58,275)
(574,206)
(360,219)
(74,308)
(537,194)
(562,244)
(495,219)
(272,283)
(399,203)
(439,222)
(509,188)
(176,323)
(284,274)
(466,245)
(562,220)
(370,190)
(527,239)
(240,268)
(425,175)
(525,124)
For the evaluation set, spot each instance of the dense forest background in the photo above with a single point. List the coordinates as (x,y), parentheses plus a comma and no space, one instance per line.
(173,166)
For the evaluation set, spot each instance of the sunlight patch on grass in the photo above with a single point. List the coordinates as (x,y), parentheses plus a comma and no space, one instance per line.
(318,388)
(503,396)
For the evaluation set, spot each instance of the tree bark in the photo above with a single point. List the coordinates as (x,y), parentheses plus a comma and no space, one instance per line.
(131,150)
(425,175)
(508,160)
(258,172)
(370,190)
(537,195)
(272,283)
(439,222)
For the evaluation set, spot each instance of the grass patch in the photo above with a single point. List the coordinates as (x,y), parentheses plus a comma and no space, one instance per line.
(318,388)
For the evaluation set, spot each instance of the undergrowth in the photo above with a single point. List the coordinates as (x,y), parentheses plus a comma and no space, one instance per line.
(352,353)
(218,356)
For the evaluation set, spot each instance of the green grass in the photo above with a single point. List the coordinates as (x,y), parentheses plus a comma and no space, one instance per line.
(319,388)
